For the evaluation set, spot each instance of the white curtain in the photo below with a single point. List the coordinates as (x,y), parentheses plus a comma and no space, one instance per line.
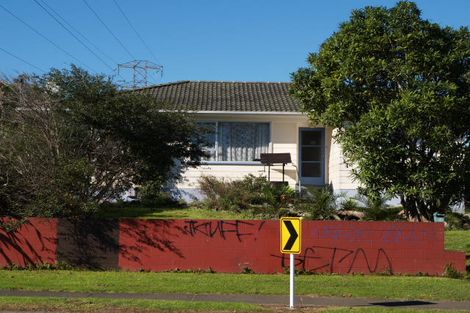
(242,141)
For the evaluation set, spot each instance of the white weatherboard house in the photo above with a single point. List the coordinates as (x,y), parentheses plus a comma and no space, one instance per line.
(250,118)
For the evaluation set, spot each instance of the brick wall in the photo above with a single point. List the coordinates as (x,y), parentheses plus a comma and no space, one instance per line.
(230,246)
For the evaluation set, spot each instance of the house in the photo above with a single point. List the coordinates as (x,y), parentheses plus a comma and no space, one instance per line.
(251,118)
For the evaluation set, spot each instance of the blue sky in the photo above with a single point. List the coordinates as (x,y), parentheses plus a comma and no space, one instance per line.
(236,40)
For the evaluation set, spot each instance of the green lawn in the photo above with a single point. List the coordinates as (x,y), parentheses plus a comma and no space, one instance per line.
(118,305)
(169,213)
(459,240)
(153,306)
(387,287)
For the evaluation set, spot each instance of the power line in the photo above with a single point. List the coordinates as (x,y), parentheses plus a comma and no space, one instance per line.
(135,30)
(22,60)
(72,34)
(74,29)
(43,36)
(109,30)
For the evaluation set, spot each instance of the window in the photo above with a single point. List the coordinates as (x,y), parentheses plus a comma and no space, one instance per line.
(235,141)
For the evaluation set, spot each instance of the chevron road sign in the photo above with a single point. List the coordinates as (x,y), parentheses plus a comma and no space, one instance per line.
(291,233)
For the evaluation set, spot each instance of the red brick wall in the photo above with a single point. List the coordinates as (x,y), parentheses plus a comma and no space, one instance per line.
(231,246)
(328,246)
(34,242)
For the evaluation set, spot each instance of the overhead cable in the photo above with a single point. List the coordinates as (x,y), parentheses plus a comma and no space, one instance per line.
(22,60)
(108,29)
(79,33)
(135,30)
(72,34)
(43,36)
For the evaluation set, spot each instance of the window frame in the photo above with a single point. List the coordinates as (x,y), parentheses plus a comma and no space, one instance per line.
(216,122)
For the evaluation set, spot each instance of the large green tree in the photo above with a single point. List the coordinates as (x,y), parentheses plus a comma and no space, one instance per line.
(397,89)
(70,140)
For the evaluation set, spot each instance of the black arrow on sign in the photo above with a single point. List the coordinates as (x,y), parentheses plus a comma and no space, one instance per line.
(293,235)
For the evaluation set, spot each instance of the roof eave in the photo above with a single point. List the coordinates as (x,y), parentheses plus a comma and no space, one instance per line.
(249,112)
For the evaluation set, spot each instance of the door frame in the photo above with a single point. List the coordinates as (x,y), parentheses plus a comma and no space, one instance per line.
(313,181)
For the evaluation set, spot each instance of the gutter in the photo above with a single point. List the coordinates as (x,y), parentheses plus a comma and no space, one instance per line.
(247,113)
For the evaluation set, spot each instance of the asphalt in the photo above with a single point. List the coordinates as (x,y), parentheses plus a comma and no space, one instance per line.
(300,301)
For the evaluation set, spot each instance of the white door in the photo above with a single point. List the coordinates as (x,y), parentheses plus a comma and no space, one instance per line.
(312,156)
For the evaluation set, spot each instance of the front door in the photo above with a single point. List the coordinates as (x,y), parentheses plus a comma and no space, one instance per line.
(312,156)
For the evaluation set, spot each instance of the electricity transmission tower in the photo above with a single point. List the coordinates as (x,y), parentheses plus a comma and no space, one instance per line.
(141,70)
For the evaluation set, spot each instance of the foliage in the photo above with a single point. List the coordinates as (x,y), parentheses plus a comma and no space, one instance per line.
(151,195)
(70,140)
(350,204)
(375,208)
(396,88)
(451,272)
(247,194)
(383,214)
(457,221)
(320,203)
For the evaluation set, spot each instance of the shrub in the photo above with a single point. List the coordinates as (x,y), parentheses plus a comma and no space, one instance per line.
(319,203)
(375,208)
(383,214)
(451,272)
(350,204)
(250,193)
(152,195)
(455,221)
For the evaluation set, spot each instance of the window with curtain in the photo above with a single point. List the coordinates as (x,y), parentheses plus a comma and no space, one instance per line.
(235,141)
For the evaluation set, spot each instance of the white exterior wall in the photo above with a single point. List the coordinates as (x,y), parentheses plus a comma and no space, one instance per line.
(340,174)
(284,139)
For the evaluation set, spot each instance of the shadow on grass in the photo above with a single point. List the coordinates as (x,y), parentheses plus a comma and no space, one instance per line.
(401,303)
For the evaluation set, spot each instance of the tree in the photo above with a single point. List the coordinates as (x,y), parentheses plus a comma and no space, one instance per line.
(70,140)
(397,89)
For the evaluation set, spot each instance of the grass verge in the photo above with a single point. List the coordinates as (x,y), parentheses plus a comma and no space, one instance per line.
(459,240)
(383,310)
(386,287)
(92,305)
(117,305)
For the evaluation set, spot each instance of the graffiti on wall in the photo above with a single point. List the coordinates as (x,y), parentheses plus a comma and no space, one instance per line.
(334,260)
(225,245)
(221,228)
(396,233)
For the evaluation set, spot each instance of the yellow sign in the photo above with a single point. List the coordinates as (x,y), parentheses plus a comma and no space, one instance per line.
(291,234)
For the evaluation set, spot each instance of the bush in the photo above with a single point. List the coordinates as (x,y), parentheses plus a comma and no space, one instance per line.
(152,195)
(250,193)
(455,221)
(70,141)
(451,272)
(319,203)
(383,214)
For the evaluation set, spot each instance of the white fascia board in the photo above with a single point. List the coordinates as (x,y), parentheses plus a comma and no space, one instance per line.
(247,113)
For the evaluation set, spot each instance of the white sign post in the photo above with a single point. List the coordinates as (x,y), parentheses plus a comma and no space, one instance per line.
(292,284)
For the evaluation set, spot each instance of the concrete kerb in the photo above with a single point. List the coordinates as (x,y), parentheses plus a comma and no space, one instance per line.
(271,300)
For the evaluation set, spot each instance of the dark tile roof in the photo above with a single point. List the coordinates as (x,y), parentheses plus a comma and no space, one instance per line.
(225,96)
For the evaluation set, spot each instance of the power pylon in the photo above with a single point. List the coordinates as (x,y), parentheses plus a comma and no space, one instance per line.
(140,71)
